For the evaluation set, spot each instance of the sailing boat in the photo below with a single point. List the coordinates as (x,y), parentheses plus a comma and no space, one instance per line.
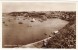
(33,20)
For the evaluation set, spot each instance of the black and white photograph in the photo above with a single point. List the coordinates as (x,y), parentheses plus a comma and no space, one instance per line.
(45,25)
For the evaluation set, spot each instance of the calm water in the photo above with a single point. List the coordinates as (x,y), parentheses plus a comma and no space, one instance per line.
(29,32)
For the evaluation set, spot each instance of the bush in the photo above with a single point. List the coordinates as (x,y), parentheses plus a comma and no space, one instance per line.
(65,39)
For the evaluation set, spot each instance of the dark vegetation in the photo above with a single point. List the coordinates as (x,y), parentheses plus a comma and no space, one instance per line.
(68,15)
(65,39)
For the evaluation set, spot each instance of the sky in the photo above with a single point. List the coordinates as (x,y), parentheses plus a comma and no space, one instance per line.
(37,6)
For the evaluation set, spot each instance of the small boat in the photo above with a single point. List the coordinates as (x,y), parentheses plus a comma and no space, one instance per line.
(33,20)
(55,31)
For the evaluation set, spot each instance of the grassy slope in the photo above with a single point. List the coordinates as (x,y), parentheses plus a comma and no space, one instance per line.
(66,37)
